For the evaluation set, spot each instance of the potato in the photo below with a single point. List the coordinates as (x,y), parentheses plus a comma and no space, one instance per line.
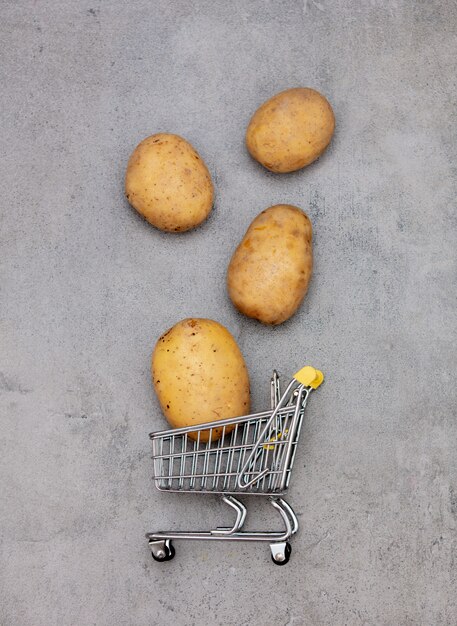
(270,270)
(291,130)
(168,183)
(199,375)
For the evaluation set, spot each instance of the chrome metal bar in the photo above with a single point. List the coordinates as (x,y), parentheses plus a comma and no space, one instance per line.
(230,492)
(194,462)
(206,458)
(162,464)
(171,461)
(275,390)
(292,428)
(208,535)
(241,512)
(207,425)
(218,459)
(244,447)
(233,437)
(285,505)
(204,474)
(183,461)
(278,452)
(296,438)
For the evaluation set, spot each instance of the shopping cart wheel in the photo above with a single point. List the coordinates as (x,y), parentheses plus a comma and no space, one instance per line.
(162,550)
(280,552)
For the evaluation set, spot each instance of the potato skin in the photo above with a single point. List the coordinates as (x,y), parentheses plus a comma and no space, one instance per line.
(269,272)
(291,130)
(168,183)
(199,375)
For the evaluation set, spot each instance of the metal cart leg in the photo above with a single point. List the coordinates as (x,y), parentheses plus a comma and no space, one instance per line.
(284,506)
(281,550)
(241,512)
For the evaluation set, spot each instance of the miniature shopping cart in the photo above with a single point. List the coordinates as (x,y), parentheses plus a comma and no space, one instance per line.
(251,454)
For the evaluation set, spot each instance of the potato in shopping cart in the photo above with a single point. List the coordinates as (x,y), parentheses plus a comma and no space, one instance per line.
(251,454)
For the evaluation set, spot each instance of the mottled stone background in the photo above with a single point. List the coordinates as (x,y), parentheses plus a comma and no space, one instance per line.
(87,287)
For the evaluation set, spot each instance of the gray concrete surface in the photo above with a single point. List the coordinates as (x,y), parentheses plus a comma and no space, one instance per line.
(87,287)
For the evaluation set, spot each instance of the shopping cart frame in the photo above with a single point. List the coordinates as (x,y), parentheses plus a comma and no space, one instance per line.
(261,445)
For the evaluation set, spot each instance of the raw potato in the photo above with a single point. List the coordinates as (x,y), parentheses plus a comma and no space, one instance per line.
(290,130)
(270,270)
(199,375)
(168,183)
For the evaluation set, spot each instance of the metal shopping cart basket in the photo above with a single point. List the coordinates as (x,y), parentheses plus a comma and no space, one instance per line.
(253,454)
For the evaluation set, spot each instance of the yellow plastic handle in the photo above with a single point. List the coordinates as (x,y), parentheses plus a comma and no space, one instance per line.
(309,376)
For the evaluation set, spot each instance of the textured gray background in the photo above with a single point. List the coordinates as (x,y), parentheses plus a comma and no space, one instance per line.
(87,287)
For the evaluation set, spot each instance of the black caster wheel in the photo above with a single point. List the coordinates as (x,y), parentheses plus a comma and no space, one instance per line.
(163,553)
(282,556)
